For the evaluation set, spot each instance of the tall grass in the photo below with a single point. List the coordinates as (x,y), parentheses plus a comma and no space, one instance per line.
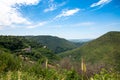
(55,75)
(37,72)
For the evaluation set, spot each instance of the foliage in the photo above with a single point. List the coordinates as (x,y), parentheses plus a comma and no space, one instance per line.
(19,45)
(11,42)
(17,42)
(105,75)
(40,63)
(54,43)
(37,71)
(104,49)
(9,62)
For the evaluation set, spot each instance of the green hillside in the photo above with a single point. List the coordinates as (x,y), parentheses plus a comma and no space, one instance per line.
(105,49)
(54,43)
(19,45)
(27,59)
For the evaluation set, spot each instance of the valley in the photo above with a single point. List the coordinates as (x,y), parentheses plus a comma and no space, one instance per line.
(49,57)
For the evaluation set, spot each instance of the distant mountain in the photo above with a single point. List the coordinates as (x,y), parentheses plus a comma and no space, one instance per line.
(80,40)
(54,43)
(105,49)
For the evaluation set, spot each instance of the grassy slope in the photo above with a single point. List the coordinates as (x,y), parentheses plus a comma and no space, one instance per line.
(54,43)
(105,49)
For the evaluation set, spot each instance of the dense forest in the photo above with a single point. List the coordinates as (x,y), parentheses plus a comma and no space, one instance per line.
(35,58)
(56,44)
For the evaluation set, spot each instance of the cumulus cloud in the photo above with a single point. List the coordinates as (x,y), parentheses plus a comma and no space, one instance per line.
(67,13)
(9,14)
(53,6)
(100,2)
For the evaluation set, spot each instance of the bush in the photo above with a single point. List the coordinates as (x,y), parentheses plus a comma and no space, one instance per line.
(106,75)
(9,62)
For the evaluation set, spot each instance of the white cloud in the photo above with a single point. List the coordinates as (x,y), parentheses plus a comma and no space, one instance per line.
(9,14)
(37,25)
(67,13)
(53,6)
(100,2)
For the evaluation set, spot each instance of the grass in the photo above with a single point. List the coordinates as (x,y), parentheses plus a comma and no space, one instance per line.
(18,75)
(36,72)
(52,74)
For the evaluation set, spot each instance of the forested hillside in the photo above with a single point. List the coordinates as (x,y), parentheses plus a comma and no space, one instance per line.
(103,50)
(19,45)
(54,43)
(25,58)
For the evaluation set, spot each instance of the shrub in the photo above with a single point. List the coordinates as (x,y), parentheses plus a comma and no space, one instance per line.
(9,62)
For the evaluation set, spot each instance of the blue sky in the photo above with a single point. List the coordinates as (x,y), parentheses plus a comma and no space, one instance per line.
(70,19)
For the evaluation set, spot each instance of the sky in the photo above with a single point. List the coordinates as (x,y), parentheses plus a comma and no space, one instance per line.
(70,19)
